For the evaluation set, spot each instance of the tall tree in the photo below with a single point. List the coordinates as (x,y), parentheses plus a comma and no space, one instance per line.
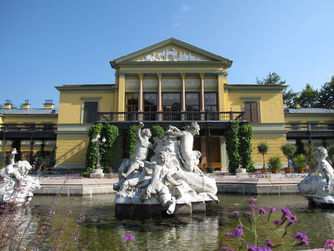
(308,97)
(326,95)
(290,98)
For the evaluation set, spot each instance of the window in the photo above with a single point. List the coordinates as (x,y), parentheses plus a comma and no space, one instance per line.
(295,125)
(150,106)
(210,101)
(252,111)
(313,125)
(171,104)
(90,111)
(192,106)
(131,105)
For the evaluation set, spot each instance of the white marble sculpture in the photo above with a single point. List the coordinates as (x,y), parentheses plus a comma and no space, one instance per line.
(171,55)
(318,185)
(171,176)
(16,186)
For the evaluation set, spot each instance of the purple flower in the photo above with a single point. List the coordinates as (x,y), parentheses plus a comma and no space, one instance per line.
(252,206)
(223,248)
(302,237)
(248,213)
(293,217)
(272,209)
(235,213)
(229,235)
(285,211)
(261,210)
(128,237)
(250,200)
(257,248)
(237,232)
(329,244)
(276,222)
(240,226)
(269,243)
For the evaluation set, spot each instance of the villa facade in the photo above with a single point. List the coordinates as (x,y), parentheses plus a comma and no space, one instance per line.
(173,82)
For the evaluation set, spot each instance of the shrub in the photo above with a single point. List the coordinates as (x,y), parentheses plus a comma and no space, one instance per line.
(245,147)
(275,163)
(288,151)
(232,146)
(262,149)
(331,154)
(157,131)
(132,140)
(300,162)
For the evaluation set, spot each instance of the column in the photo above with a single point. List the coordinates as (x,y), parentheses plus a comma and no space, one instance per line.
(202,105)
(183,95)
(221,98)
(140,96)
(159,75)
(121,97)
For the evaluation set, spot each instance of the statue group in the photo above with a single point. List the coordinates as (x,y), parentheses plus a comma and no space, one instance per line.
(318,186)
(16,186)
(170,177)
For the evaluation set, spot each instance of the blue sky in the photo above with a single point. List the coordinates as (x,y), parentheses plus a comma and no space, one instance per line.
(45,43)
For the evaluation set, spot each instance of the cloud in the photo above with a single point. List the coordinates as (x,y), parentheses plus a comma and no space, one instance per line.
(185,8)
(181,19)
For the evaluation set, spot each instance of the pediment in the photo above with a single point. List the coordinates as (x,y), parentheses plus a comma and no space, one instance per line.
(171,50)
(171,53)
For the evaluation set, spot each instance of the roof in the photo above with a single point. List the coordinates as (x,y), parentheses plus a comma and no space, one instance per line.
(254,86)
(86,87)
(309,111)
(171,41)
(30,111)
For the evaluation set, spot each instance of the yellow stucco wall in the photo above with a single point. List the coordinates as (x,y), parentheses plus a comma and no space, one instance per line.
(274,149)
(71,150)
(71,104)
(21,119)
(304,118)
(271,104)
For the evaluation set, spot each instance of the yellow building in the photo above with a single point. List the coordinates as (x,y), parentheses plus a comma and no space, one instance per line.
(170,82)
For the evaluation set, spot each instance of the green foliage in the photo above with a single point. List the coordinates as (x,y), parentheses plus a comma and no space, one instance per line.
(311,160)
(288,151)
(262,149)
(300,147)
(157,131)
(2,160)
(326,95)
(308,97)
(300,162)
(245,147)
(271,79)
(232,146)
(275,163)
(331,153)
(110,133)
(290,98)
(132,140)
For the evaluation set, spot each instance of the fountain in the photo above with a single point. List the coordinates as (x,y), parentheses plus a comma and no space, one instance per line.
(318,186)
(16,186)
(170,182)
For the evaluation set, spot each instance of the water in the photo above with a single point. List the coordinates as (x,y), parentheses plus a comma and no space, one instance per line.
(102,231)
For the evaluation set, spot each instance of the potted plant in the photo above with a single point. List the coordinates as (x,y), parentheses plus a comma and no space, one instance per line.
(262,148)
(289,151)
(274,164)
(300,163)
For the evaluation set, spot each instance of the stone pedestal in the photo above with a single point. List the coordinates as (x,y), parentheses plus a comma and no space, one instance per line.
(241,171)
(97,173)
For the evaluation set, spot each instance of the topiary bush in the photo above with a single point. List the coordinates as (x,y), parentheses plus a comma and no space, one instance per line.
(262,148)
(245,147)
(232,146)
(275,163)
(300,163)
(288,151)
(110,133)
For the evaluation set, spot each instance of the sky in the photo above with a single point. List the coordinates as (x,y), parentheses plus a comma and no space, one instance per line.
(48,43)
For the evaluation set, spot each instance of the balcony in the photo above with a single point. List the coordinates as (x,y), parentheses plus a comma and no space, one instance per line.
(214,120)
(309,130)
(28,131)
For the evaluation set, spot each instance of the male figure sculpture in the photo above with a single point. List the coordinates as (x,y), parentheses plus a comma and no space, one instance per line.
(158,185)
(324,168)
(142,147)
(190,158)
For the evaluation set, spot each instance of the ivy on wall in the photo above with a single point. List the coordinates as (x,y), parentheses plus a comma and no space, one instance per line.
(232,146)
(245,147)
(110,133)
(132,140)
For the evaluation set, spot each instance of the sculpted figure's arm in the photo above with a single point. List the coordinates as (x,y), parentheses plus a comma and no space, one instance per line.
(175,131)
(172,180)
(140,126)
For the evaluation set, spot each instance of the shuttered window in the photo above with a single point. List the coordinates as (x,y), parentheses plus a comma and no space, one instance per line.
(252,111)
(90,112)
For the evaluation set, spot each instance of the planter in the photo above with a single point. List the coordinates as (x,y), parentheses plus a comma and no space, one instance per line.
(274,171)
(264,170)
(288,169)
(300,171)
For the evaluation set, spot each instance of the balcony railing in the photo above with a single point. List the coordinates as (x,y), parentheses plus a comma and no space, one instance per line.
(297,127)
(28,127)
(169,116)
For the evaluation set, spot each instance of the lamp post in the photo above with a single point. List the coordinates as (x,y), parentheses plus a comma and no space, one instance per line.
(98,171)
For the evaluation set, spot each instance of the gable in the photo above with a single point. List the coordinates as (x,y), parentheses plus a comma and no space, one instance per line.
(171,50)
(171,53)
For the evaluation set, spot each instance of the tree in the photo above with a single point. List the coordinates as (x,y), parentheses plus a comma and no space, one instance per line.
(289,151)
(290,98)
(326,95)
(308,97)
(262,148)
(271,79)
(232,146)
(245,147)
